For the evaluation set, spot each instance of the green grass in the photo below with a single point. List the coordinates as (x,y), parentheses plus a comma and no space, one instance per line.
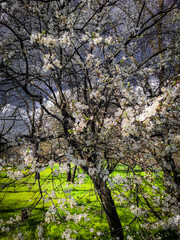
(15,198)
(25,194)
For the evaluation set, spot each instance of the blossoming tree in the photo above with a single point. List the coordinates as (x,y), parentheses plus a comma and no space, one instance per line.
(106,71)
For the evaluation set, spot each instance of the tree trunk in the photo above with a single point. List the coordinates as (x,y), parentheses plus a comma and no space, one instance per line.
(69,172)
(109,208)
(73,174)
(173,172)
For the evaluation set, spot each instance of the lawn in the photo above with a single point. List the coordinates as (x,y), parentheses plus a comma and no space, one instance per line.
(86,218)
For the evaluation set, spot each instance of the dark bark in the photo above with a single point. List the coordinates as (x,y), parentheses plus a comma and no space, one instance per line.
(109,208)
(173,172)
(69,172)
(73,174)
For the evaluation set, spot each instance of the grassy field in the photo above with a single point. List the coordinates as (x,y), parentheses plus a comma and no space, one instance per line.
(24,194)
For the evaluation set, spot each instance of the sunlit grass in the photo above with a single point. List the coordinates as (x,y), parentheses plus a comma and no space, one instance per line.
(25,194)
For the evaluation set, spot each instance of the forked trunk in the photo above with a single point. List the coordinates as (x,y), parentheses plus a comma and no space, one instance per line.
(109,208)
(73,174)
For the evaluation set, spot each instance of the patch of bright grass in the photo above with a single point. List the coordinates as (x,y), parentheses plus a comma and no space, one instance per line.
(24,194)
